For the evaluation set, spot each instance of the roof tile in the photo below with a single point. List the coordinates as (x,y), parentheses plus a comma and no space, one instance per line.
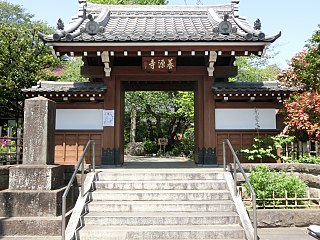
(161,23)
(269,86)
(49,86)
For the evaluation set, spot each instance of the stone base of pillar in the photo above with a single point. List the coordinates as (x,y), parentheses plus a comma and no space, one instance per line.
(111,157)
(206,156)
(24,227)
(35,191)
(33,203)
(33,177)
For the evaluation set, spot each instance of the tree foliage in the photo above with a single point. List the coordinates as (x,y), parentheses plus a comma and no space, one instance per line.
(303,115)
(131,2)
(22,56)
(256,69)
(11,13)
(66,70)
(249,71)
(304,68)
(303,109)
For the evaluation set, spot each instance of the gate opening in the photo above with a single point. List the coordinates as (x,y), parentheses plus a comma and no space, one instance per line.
(158,125)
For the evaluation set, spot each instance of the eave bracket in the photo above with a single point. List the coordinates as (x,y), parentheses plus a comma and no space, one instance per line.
(105,59)
(212,59)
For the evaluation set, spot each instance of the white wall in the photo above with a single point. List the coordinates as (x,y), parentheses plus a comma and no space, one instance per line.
(79,119)
(245,118)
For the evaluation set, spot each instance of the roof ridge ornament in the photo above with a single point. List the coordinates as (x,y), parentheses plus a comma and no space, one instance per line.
(60,24)
(257,24)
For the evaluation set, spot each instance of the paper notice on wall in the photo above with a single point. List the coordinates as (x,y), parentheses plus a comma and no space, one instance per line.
(108,118)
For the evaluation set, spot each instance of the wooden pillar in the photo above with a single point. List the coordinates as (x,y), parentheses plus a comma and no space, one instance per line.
(205,125)
(111,149)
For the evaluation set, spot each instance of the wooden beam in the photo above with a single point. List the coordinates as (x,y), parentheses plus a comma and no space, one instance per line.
(159,86)
(248,104)
(93,71)
(225,71)
(137,72)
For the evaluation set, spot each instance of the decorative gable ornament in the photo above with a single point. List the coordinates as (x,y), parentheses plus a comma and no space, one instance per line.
(92,27)
(225,27)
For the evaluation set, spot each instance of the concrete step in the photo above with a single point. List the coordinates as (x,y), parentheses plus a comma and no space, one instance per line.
(38,226)
(160,218)
(161,206)
(159,176)
(161,185)
(162,232)
(163,195)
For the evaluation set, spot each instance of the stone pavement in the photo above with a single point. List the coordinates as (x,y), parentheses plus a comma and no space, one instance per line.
(157,162)
(289,233)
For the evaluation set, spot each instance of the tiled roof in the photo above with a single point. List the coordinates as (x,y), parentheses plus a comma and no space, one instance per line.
(268,86)
(130,23)
(49,86)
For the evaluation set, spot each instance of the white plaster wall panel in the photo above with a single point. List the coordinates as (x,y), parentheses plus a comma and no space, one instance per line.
(79,119)
(234,119)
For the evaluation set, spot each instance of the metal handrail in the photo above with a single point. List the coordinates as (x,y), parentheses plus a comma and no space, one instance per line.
(253,194)
(65,194)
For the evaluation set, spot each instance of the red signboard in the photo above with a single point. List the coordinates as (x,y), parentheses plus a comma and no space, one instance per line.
(159,64)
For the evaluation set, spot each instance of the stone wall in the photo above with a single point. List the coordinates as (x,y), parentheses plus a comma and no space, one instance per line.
(287,217)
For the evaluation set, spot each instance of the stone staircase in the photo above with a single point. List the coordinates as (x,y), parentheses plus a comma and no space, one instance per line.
(161,204)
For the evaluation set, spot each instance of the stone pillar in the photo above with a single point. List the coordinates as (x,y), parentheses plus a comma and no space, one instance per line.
(36,186)
(39,131)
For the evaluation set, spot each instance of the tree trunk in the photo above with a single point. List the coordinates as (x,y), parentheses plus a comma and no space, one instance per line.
(133,125)
(158,120)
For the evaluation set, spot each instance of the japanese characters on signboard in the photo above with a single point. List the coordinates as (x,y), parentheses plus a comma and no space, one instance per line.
(159,64)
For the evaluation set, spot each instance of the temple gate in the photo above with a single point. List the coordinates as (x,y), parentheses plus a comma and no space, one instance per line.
(159,48)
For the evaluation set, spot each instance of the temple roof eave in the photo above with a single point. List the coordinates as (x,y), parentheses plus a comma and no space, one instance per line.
(251,87)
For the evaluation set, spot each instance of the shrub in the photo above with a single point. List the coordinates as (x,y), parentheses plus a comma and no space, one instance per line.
(185,146)
(150,146)
(266,148)
(307,159)
(261,149)
(268,184)
(7,146)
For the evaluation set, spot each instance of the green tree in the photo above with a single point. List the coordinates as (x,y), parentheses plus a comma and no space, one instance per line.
(22,57)
(66,70)
(257,69)
(130,2)
(12,13)
(304,68)
(251,71)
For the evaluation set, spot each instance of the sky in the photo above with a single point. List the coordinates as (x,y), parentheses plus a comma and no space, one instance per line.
(296,20)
